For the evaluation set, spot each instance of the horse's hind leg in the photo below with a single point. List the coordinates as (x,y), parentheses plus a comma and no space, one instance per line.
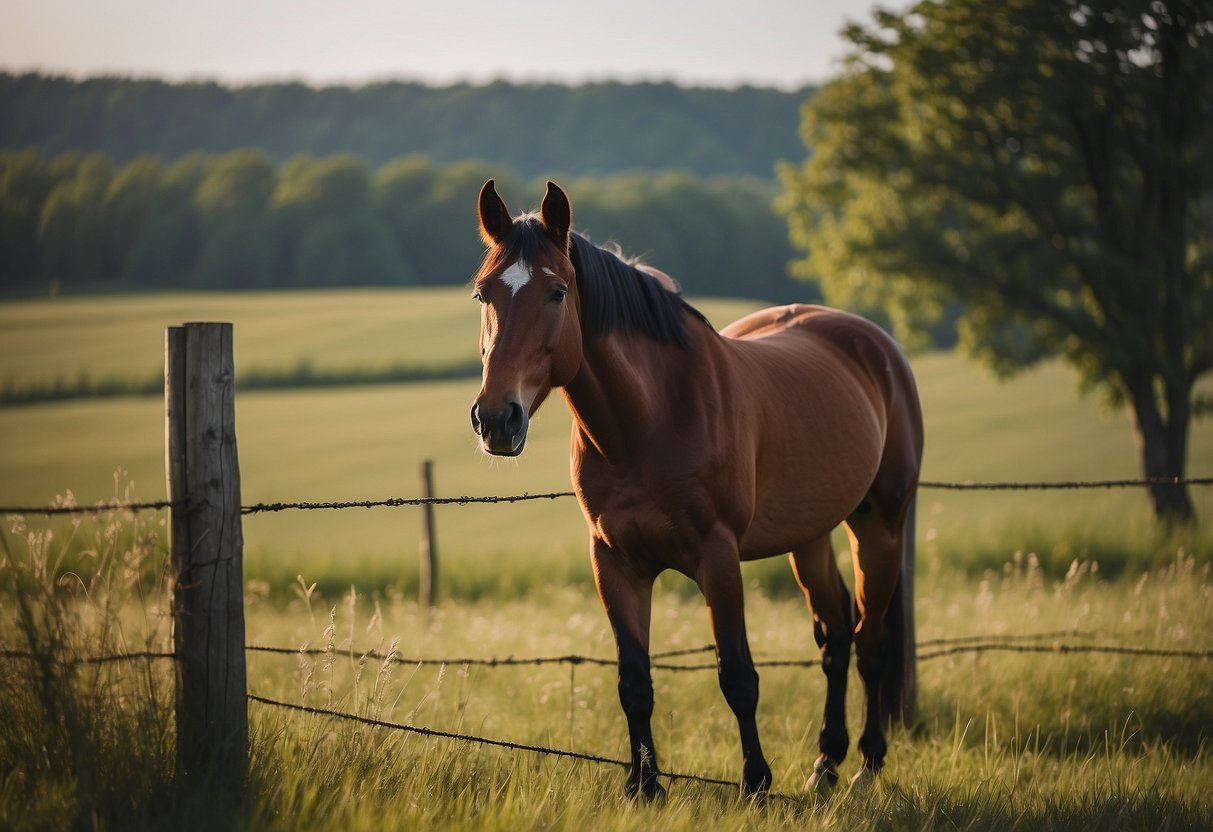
(817,573)
(627,596)
(876,543)
(719,578)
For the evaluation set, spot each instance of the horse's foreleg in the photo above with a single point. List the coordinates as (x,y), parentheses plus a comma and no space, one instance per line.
(627,597)
(720,581)
(830,603)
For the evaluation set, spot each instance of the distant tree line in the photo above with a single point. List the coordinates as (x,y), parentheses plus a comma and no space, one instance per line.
(536,129)
(81,222)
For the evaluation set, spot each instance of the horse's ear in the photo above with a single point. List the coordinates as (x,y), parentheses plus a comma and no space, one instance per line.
(495,218)
(557,215)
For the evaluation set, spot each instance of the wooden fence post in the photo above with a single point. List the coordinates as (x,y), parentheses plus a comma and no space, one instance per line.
(428,591)
(207,545)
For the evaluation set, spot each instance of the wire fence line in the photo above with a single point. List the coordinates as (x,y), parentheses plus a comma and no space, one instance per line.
(96,508)
(465,500)
(1067,649)
(396,502)
(514,746)
(1064,485)
(1022,643)
(959,643)
(948,646)
(88,660)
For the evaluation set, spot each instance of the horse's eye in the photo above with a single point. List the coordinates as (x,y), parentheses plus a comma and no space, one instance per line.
(558,294)
(478,297)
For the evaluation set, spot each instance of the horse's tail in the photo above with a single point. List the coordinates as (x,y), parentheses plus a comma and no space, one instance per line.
(899,683)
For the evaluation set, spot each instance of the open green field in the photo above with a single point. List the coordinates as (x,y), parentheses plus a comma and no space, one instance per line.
(362,443)
(121,337)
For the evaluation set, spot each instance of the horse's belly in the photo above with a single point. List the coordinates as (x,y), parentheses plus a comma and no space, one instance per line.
(788,522)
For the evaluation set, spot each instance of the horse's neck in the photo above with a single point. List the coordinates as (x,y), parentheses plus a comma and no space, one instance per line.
(625,382)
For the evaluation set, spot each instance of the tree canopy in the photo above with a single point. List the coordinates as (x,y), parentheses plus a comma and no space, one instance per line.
(79,222)
(535,129)
(1047,170)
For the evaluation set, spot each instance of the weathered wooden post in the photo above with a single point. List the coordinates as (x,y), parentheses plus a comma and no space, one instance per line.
(427,594)
(207,553)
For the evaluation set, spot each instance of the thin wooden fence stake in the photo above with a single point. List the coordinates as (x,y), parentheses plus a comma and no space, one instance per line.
(207,545)
(428,590)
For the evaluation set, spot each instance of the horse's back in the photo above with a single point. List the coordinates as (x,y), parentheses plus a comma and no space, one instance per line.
(773,319)
(824,336)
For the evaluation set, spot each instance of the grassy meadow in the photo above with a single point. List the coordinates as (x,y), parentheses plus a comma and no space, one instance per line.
(1004,740)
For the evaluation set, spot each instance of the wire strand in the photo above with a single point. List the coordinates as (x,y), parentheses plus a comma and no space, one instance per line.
(397,502)
(472,738)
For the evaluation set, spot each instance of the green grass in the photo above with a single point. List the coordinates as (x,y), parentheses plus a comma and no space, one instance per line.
(356,332)
(360,443)
(1004,741)
(122,337)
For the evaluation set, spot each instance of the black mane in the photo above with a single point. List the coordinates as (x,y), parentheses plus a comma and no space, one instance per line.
(615,295)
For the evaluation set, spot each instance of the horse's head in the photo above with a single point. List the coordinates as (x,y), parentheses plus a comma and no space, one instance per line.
(530,328)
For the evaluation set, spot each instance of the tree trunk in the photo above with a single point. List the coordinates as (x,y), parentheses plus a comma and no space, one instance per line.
(1162,444)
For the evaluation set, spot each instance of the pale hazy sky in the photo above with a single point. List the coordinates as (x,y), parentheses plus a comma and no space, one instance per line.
(782,43)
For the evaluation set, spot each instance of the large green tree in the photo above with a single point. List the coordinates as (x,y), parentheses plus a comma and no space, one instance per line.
(1045,167)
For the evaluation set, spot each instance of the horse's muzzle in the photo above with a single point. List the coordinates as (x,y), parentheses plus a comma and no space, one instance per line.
(502,430)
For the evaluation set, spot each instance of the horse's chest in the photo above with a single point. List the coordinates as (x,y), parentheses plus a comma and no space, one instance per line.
(658,515)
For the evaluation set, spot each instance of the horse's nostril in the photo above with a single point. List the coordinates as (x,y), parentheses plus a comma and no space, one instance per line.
(516,419)
(476,419)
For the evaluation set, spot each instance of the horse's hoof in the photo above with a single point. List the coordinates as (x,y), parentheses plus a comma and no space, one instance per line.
(863,780)
(824,777)
(756,783)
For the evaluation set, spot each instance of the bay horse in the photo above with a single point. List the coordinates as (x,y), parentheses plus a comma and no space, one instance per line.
(695,450)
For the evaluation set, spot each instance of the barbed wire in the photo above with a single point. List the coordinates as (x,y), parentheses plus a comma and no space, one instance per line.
(464,500)
(1006,638)
(947,641)
(396,502)
(97,508)
(507,661)
(472,738)
(1064,485)
(78,660)
(948,647)
(1063,649)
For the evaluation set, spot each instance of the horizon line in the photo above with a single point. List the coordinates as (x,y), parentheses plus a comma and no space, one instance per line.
(402,77)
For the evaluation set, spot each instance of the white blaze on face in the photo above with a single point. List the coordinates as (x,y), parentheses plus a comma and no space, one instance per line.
(516,276)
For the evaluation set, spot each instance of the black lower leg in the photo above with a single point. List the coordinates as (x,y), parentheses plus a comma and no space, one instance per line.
(834,740)
(739,683)
(636,697)
(872,745)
